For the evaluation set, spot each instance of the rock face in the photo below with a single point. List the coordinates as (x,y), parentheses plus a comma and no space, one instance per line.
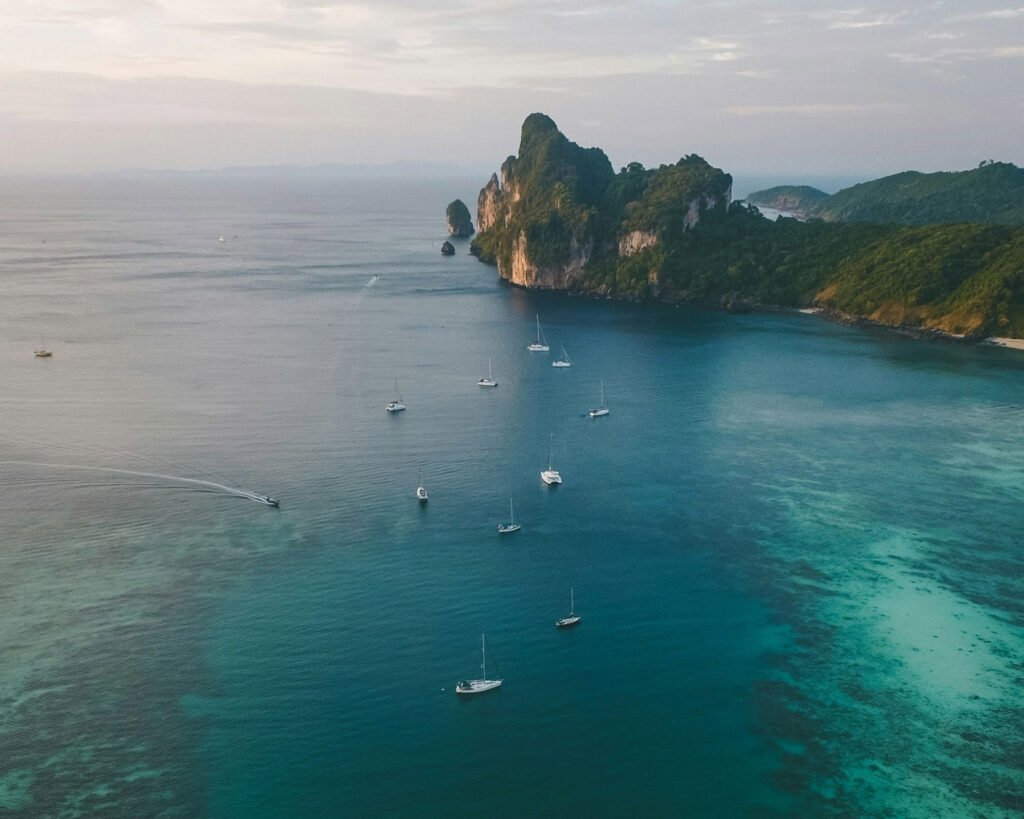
(635,241)
(448,249)
(559,214)
(563,275)
(488,203)
(459,222)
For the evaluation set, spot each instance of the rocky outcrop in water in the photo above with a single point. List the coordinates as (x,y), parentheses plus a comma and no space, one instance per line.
(460,224)
(448,249)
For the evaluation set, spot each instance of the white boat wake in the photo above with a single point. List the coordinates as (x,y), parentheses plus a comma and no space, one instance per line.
(218,487)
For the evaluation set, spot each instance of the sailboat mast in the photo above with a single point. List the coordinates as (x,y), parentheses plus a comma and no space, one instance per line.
(511,516)
(572,602)
(483,654)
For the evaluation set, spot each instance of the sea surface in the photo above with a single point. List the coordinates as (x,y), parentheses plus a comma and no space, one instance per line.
(796,547)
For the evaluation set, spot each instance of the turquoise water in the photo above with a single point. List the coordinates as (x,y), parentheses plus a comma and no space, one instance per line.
(794,545)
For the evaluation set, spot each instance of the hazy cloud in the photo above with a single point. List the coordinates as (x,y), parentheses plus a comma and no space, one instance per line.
(872,22)
(995,14)
(101,82)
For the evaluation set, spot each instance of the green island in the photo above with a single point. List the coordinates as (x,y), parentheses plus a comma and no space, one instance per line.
(559,217)
(796,198)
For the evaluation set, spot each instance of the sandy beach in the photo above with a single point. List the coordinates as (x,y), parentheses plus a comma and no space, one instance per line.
(1015,343)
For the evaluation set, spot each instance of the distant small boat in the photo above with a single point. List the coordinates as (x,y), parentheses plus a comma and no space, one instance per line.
(564,361)
(550,476)
(421,492)
(541,344)
(602,409)
(489,381)
(483,684)
(396,405)
(573,618)
(511,526)
(269,501)
(42,352)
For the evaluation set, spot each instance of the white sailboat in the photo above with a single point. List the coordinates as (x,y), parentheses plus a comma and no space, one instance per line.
(602,409)
(42,352)
(421,492)
(564,361)
(489,381)
(550,476)
(573,618)
(511,526)
(396,405)
(541,344)
(483,684)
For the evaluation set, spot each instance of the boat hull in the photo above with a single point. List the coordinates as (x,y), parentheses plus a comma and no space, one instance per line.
(395,408)
(538,348)
(560,364)
(508,528)
(477,686)
(550,477)
(597,413)
(568,622)
(486,382)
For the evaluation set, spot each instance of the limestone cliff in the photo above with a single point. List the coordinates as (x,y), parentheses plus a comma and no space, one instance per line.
(635,241)
(488,203)
(559,213)
(563,275)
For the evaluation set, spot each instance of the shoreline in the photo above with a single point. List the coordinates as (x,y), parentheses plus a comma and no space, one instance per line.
(738,304)
(1004,341)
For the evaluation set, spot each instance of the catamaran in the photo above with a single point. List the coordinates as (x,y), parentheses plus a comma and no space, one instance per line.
(550,476)
(601,410)
(541,344)
(483,684)
(564,361)
(396,405)
(421,492)
(573,618)
(489,381)
(511,526)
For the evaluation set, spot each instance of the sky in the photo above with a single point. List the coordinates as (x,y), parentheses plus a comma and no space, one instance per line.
(776,87)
